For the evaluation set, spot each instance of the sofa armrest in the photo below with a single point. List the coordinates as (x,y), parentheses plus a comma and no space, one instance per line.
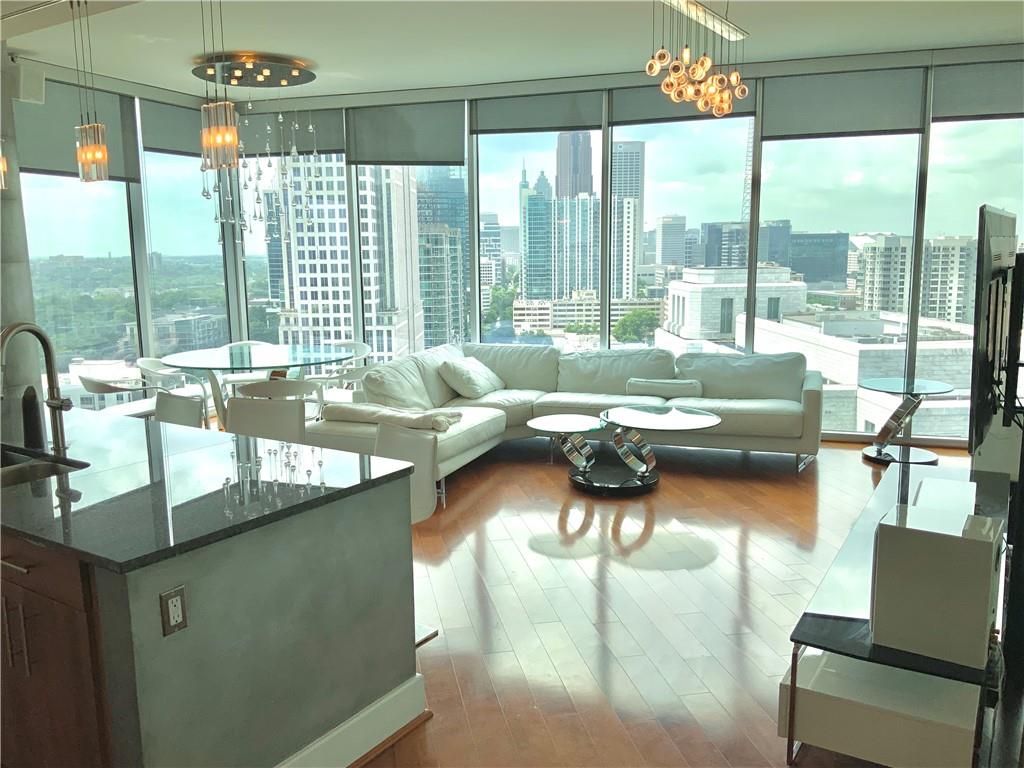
(811,399)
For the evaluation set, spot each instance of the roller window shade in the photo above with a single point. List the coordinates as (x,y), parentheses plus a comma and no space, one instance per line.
(649,104)
(167,128)
(549,112)
(329,125)
(848,102)
(410,134)
(978,90)
(46,132)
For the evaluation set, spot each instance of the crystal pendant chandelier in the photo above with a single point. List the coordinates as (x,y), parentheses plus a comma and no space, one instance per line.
(90,135)
(219,134)
(689,77)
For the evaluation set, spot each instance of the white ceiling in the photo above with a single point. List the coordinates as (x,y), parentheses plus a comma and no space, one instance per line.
(384,45)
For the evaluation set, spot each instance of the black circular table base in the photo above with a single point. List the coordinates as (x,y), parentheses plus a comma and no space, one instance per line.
(899,454)
(613,480)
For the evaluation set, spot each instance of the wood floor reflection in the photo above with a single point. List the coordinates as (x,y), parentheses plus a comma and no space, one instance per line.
(650,631)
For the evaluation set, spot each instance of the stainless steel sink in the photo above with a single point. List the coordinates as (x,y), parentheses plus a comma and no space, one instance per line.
(23,465)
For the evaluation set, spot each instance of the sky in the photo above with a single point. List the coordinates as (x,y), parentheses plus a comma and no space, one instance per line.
(693,168)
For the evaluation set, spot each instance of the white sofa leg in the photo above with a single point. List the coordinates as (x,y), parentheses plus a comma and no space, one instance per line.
(442,494)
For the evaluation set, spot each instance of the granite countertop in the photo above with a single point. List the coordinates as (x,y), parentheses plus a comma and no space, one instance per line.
(153,490)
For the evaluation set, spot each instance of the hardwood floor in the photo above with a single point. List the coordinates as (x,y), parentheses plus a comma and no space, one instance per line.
(651,631)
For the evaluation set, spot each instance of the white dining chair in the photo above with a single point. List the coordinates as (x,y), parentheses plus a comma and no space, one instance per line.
(271,419)
(418,446)
(244,377)
(180,409)
(340,380)
(311,393)
(166,406)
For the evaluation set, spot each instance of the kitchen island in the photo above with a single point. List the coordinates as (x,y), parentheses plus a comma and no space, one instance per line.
(199,598)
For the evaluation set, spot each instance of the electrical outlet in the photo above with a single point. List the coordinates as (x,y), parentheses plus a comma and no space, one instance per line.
(172,610)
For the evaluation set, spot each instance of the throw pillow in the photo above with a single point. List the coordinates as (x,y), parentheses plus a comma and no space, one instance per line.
(469,377)
(667,388)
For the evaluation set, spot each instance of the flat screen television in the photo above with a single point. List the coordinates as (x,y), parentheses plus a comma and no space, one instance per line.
(994,343)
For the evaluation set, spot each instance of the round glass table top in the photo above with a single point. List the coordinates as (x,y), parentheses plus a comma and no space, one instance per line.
(566,423)
(897,385)
(257,357)
(664,417)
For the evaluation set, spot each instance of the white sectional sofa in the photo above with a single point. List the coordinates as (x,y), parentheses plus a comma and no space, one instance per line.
(766,402)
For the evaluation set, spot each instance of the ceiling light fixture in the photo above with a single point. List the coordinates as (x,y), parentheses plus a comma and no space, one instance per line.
(90,134)
(253,70)
(689,77)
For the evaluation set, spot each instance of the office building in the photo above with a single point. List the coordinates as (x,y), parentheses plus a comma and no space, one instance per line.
(574,161)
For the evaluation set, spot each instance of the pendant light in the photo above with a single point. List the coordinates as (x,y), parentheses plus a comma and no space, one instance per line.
(90,135)
(219,134)
(709,79)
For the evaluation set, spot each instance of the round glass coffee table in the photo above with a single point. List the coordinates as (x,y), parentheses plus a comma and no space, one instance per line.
(881,451)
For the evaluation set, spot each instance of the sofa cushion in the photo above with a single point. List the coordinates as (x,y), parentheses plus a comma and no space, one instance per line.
(470,378)
(606,372)
(664,387)
(750,417)
(587,403)
(516,403)
(478,425)
(429,361)
(746,376)
(399,384)
(520,366)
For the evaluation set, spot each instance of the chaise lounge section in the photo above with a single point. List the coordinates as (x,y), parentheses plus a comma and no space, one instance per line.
(766,402)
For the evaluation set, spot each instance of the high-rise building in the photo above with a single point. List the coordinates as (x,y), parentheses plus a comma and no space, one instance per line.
(442,290)
(535,210)
(949,278)
(725,243)
(820,256)
(773,238)
(576,251)
(317,281)
(441,198)
(627,223)
(574,174)
(670,246)
(490,237)
(884,272)
(275,247)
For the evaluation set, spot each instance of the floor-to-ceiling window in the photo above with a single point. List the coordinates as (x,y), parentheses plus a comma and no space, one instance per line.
(540,237)
(834,258)
(971,163)
(82,280)
(680,200)
(186,262)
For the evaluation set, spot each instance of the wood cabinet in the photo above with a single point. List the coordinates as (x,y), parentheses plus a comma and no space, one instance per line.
(49,704)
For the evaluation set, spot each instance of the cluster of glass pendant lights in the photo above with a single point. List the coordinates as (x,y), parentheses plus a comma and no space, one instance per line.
(687,26)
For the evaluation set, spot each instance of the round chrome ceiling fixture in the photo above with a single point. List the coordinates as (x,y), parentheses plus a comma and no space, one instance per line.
(253,70)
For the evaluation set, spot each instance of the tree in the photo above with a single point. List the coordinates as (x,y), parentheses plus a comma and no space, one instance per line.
(636,326)
(582,328)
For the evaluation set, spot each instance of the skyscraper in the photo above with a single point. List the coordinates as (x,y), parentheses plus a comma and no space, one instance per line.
(490,237)
(670,243)
(441,201)
(949,277)
(773,238)
(441,288)
(574,174)
(576,238)
(275,248)
(884,272)
(819,256)
(536,275)
(627,218)
(725,243)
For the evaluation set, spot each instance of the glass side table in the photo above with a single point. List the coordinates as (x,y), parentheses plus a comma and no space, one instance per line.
(913,392)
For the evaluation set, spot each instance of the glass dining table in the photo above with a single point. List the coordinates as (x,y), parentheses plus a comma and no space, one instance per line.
(257,357)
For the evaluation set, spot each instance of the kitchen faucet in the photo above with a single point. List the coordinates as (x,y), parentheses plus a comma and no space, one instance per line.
(54,400)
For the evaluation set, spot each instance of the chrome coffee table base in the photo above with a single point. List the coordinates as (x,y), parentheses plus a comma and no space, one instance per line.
(899,454)
(634,476)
